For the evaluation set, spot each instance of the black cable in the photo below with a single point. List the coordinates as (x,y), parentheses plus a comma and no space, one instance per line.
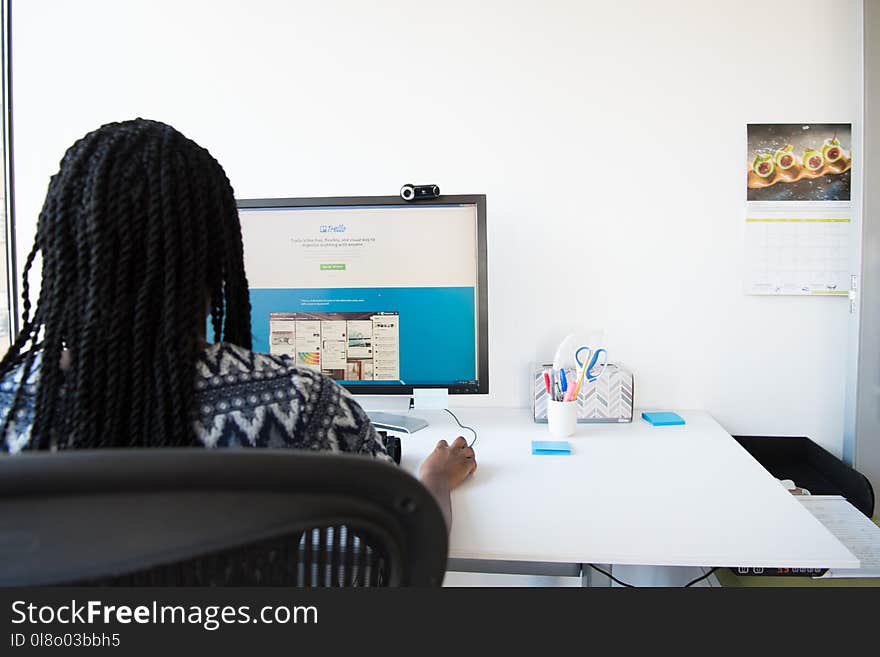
(612,577)
(471,429)
(701,577)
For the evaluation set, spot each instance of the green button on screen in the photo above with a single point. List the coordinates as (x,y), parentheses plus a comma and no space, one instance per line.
(332,267)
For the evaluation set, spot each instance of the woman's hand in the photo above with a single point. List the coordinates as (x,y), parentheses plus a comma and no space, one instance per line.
(454,463)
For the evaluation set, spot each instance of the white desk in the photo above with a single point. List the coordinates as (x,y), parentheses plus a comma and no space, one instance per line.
(628,494)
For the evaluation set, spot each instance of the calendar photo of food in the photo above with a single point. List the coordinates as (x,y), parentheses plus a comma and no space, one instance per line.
(799,161)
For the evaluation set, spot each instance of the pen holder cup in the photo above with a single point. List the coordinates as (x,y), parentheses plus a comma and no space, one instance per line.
(561,418)
(608,399)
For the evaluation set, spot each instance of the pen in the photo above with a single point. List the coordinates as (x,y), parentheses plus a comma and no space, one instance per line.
(547,381)
(580,379)
(562,381)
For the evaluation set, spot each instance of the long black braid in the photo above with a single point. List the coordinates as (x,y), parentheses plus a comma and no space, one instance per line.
(139,237)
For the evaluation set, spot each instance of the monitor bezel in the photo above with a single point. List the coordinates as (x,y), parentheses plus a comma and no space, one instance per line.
(479,200)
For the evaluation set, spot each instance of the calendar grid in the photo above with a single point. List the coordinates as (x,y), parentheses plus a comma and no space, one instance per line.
(797,256)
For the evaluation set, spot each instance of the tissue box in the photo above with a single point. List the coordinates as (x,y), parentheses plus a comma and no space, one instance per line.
(608,399)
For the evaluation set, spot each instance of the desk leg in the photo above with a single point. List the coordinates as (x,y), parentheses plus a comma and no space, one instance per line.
(593,578)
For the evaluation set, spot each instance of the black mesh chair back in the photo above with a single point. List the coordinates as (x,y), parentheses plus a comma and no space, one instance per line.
(198,517)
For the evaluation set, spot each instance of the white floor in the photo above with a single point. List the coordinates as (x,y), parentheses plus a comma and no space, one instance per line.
(494,579)
(636,575)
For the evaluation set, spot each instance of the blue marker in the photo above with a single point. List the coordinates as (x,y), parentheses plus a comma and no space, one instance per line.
(563,381)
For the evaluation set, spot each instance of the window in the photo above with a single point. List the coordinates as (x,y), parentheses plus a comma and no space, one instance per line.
(7,244)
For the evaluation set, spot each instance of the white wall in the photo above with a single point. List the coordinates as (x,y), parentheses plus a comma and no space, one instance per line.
(867,441)
(618,123)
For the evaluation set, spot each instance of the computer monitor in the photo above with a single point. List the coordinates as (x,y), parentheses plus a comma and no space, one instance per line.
(381,294)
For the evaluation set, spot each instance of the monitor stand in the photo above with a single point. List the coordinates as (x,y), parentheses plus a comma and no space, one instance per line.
(396,422)
(391,412)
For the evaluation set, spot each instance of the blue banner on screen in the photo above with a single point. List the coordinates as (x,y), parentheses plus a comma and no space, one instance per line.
(409,335)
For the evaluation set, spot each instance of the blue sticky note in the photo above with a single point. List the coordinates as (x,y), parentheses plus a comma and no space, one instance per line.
(663,418)
(551,447)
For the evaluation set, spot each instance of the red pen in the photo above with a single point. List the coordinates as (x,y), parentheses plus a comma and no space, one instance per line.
(547,382)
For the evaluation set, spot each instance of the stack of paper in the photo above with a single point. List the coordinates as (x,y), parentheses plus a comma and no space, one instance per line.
(852,528)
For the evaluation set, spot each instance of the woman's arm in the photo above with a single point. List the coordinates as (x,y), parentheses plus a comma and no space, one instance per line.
(444,469)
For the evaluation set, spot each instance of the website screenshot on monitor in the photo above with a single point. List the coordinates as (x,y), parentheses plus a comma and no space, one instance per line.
(367,294)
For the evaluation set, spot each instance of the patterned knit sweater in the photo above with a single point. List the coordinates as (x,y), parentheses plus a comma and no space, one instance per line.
(245,399)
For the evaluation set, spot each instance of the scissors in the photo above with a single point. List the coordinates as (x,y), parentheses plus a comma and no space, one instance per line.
(592,358)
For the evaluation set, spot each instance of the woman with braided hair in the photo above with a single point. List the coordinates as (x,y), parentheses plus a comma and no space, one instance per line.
(140,240)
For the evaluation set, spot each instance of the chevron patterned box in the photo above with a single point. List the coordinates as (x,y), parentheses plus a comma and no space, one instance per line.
(609,399)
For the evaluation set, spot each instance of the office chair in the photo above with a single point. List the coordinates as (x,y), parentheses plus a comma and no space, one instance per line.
(193,516)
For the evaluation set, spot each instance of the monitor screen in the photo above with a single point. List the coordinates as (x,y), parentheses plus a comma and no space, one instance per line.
(380,294)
